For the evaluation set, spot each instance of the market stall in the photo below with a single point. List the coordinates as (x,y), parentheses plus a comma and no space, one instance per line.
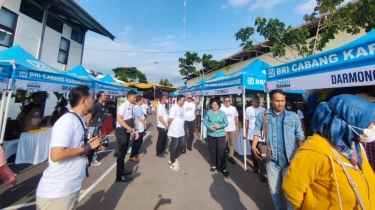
(331,73)
(251,77)
(30,74)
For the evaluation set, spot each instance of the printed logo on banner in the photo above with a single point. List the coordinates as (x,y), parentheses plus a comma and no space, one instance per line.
(24,73)
(32,85)
(221,91)
(41,66)
(271,72)
(250,81)
(66,88)
(283,84)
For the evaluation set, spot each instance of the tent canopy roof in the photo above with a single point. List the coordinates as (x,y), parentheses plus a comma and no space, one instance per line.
(144,86)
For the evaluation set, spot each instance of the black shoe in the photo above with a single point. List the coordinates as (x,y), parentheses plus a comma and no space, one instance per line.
(160,155)
(225,173)
(190,149)
(231,160)
(262,178)
(212,169)
(123,179)
(165,153)
(183,151)
(126,173)
(115,154)
(256,171)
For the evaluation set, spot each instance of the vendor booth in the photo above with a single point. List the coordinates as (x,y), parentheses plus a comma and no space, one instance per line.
(251,77)
(29,74)
(331,73)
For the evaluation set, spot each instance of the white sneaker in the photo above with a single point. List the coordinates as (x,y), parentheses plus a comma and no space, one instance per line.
(129,150)
(97,163)
(176,161)
(174,166)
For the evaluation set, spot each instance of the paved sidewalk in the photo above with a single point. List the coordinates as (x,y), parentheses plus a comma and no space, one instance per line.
(154,185)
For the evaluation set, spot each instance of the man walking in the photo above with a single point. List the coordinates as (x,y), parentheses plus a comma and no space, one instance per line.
(162,126)
(250,117)
(190,106)
(125,126)
(283,133)
(232,117)
(176,131)
(96,119)
(61,182)
(140,126)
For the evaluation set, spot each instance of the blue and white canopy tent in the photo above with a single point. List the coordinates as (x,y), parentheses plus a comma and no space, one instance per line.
(110,89)
(218,75)
(348,66)
(25,72)
(110,80)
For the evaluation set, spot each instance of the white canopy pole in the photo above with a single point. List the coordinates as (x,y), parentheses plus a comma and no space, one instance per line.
(2,107)
(5,116)
(201,123)
(243,127)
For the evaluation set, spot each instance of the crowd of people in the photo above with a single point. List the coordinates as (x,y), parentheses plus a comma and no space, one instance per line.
(328,170)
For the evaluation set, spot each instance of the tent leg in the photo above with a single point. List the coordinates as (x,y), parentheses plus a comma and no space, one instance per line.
(243,126)
(2,107)
(5,116)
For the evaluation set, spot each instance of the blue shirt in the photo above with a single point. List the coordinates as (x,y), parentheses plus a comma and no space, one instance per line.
(281,153)
(138,112)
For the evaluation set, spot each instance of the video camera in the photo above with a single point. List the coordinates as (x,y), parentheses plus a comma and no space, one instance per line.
(97,131)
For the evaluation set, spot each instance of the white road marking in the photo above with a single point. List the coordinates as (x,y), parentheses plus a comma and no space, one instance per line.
(83,193)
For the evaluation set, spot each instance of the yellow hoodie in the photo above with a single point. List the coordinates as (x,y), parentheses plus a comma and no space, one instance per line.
(310,182)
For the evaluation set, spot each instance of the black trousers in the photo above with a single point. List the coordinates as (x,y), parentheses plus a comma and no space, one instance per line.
(189,133)
(136,146)
(176,147)
(217,151)
(258,164)
(122,139)
(162,140)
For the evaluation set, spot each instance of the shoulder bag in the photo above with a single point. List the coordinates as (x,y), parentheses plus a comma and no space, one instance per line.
(265,148)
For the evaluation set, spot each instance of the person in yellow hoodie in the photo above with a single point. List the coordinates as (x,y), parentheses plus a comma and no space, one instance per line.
(316,179)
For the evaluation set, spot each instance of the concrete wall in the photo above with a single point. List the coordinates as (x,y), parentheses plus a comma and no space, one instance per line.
(28,34)
(341,39)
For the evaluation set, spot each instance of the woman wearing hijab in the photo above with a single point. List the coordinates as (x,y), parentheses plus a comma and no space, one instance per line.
(215,121)
(334,156)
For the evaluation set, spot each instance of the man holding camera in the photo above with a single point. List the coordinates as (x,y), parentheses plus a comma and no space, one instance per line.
(61,182)
(125,126)
(96,119)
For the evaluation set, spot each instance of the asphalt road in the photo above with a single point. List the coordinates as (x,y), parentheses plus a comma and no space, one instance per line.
(154,184)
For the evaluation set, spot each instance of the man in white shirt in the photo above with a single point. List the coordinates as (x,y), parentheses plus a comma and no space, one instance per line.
(232,117)
(250,117)
(176,131)
(124,127)
(145,106)
(140,125)
(61,182)
(190,106)
(162,126)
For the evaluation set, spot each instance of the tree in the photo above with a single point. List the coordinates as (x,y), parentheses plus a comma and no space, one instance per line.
(129,74)
(165,82)
(192,64)
(330,19)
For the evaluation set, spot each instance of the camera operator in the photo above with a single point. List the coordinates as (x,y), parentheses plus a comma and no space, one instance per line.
(61,182)
(96,117)
(124,127)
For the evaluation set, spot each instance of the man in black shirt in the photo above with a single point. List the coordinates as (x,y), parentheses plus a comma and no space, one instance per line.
(96,118)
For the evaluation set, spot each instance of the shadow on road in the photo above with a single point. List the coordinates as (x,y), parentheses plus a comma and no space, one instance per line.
(162,201)
(109,199)
(202,147)
(225,194)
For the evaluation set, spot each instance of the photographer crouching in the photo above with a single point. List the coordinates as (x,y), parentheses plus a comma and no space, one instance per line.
(61,182)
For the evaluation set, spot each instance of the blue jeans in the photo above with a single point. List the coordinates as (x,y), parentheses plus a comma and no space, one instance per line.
(276,175)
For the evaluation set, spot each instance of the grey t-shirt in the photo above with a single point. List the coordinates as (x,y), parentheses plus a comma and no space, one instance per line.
(97,113)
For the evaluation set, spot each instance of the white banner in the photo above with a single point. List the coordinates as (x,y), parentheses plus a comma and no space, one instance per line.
(345,78)
(223,91)
(42,86)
